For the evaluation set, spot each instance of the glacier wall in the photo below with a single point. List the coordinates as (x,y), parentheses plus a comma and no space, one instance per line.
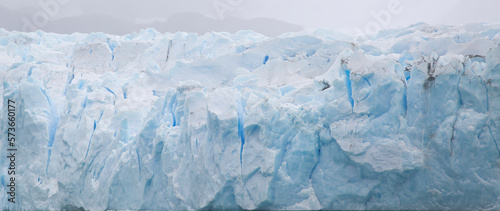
(407,119)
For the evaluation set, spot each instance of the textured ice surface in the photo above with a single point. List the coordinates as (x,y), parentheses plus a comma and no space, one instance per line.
(407,119)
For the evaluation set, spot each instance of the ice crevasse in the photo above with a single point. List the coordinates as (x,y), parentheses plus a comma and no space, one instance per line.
(406,119)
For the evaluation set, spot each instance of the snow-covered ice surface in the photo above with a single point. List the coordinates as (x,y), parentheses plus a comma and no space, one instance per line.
(406,119)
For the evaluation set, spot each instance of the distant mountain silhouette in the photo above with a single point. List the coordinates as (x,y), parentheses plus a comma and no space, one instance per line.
(92,23)
(201,24)
(188,22)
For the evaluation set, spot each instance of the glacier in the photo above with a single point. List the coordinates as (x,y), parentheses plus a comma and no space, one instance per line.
(406,119)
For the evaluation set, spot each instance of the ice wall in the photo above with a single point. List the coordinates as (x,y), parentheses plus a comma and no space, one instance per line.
(406,119)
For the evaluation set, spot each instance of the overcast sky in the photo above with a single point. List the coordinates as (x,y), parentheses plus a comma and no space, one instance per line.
(270,17)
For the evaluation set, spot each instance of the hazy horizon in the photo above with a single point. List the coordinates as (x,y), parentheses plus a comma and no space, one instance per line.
(268,18)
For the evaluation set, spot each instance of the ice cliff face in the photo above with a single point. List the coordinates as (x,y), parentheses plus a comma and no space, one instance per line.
(408,119)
